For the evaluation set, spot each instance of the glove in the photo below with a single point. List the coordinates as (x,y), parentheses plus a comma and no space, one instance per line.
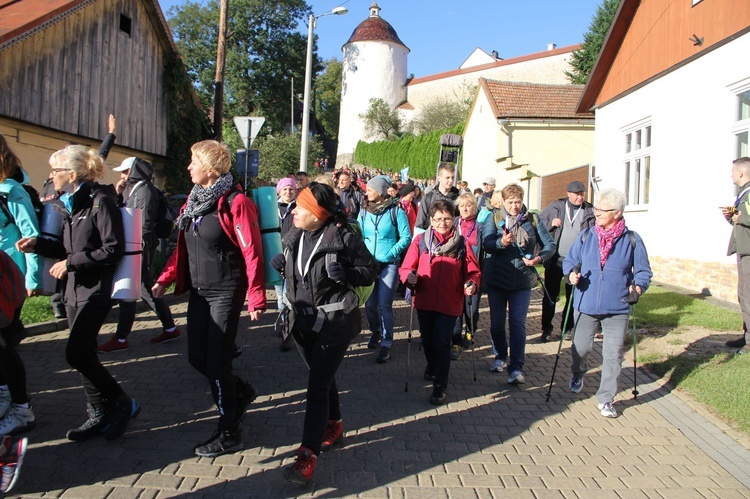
(278,263)
(337,272)
(411,279)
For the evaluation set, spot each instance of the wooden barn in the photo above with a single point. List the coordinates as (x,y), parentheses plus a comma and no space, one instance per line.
(65,65)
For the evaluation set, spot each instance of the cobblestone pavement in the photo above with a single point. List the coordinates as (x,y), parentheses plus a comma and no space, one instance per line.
(490,440)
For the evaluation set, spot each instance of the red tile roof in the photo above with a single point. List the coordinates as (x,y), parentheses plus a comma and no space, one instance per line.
(375,29)
(533,100)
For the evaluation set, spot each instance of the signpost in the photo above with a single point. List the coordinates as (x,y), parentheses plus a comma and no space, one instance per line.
(248,128)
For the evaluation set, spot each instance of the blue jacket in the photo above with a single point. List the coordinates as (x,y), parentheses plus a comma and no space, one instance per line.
(503,265)
(603,291)
(386,242)
(26,225)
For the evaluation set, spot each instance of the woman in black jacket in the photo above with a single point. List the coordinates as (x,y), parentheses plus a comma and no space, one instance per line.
(323,260)
(93,242)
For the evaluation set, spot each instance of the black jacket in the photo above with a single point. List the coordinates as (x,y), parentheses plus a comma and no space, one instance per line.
(146,197)
(93,242)
(423,215)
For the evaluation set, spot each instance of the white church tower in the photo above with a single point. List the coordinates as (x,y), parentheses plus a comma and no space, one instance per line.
(374,66)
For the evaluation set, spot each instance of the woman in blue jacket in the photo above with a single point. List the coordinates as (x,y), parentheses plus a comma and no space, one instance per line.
(385,229)
(608,265)
(511,238)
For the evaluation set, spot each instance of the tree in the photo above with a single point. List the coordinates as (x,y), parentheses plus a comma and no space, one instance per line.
(381,121)
(328,97)
(583,60)
(279,155)
(264,51)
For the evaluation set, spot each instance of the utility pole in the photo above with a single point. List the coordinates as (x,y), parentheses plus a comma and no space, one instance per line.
(220,63)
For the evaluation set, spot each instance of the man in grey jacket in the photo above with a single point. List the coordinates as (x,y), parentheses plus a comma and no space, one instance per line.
(739,242)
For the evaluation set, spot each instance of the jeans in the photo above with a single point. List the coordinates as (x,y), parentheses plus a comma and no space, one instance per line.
(553,275)
(379,307)
(470,315)
(517,304)
(614,328)
(212,321)
(436,330)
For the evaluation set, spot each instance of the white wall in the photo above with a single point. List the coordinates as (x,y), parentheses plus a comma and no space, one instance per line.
(692,110)
(482,144)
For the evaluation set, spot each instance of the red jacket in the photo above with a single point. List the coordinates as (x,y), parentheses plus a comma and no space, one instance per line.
(240,224)
(440,283)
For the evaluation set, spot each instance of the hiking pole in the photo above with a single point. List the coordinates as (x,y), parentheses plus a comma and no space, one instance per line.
(529,256)
(562,337)
(473,334)
(635,355)
(408,341)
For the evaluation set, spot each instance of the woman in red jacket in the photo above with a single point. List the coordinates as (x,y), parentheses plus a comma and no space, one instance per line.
(440,271)
(220,260)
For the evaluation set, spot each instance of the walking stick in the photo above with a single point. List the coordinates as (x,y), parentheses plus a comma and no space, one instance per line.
(562,337)
(408,341)
(635,355)
(473,334)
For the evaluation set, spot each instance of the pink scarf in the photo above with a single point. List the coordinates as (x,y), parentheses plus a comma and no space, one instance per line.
(607,239)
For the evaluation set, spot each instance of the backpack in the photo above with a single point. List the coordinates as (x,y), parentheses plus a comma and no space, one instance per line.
(363,292)
(14,289)
(35,202)
(165,214)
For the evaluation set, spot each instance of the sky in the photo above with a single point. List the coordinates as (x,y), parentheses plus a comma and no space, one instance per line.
(441,34)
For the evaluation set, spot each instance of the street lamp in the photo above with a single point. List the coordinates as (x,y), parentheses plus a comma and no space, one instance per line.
(305,139)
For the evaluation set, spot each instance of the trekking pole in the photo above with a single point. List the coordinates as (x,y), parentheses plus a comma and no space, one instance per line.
(408,341)
(473,334)
(635,354)
(539,279)
(562,337)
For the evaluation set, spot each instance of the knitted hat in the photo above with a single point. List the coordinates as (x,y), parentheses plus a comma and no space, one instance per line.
(285,182)
(379,184)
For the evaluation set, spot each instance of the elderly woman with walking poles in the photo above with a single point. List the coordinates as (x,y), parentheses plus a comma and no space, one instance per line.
(322,263)
(609,267)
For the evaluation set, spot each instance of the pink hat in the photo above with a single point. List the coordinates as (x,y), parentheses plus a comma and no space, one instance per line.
(286,182)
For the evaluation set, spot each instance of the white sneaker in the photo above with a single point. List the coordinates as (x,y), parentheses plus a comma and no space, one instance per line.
(498,366)
(5,402)
(516,378)
(17,420)
(608,410)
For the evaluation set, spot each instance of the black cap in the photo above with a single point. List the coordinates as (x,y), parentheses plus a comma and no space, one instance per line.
(576,186)
(406,189)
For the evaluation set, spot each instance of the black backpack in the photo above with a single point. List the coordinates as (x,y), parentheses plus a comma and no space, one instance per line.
(35,202)
(166,216)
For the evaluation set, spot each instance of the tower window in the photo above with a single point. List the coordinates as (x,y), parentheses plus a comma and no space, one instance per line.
(125,24)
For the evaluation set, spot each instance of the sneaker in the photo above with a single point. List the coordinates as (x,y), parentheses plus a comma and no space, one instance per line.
(384,355)
(516,378)
(575,384)
(301,471)
(428,376)
(456,352)
(60,313)
(546,336)
(568,335)
(17,420)
(374,341)
(498,365)
(287,343)
(608,410)
(221,442)
(166,336)
(438,396)
(738,343)
(92,426)
(11,462)
(114,345)
(5,401)
(334,435)
(121,411)
(246,394)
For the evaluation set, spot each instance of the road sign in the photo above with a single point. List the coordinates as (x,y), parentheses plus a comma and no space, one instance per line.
(253,163)
(248,127)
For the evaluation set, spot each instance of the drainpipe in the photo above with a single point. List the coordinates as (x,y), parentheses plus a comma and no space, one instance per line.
(504,123)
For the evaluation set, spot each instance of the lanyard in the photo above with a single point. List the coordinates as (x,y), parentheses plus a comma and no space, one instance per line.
(303,271)
(517,222)
(577,212)
(471,231)
(739,196)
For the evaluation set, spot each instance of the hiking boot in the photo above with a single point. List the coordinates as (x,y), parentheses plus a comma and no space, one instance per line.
(456,351)
(428,376)
(114,345)
(221,442)
(438,396)
(17,420)
(15,450)
(92,426)
(166,336)
(516,378)
(374,341)
(575,384)
(498,365)
(334,435)
(568,335)
(246,394)
(546,336)
(608,411)
(738,343)
(5,401)
(121,411)
(287,343)
(384,355)
(301,471)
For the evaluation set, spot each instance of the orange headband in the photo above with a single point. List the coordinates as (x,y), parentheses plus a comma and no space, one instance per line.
(306,200)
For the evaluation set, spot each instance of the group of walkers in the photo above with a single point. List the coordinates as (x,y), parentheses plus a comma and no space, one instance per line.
(338,241)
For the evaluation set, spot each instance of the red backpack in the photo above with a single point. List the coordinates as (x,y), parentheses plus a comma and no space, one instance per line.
(14,285)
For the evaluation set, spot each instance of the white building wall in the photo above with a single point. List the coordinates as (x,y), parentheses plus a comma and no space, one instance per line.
(371,69)
(692,111)
(482,144)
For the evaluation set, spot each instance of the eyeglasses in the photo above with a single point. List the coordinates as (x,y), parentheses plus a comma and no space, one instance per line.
(442,221)
(58,170)
(599,211)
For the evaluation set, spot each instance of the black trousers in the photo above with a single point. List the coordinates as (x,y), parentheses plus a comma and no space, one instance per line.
(323,360)
(158,305)
(12,370)
(84,322)
(436,330)
(212,321)
(553,275)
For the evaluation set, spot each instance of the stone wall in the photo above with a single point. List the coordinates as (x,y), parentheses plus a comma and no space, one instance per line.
(709,278)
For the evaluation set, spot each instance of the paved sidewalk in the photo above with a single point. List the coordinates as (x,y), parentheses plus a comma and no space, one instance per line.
(490,440)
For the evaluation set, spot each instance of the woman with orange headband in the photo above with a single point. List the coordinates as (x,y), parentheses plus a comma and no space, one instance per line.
(323,261)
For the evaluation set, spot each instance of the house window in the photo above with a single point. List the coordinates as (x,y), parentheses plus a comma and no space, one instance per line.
(125,24)
(637,162)
(742,124)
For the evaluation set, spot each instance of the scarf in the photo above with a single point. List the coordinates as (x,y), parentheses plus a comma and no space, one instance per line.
(449,247)
(381,207)
(607,238)
(514,226)
(202,198)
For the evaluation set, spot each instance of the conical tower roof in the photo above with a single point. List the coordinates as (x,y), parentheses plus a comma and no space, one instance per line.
(375,28)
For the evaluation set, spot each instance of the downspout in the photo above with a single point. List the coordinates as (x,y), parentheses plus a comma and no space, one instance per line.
(504,123)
